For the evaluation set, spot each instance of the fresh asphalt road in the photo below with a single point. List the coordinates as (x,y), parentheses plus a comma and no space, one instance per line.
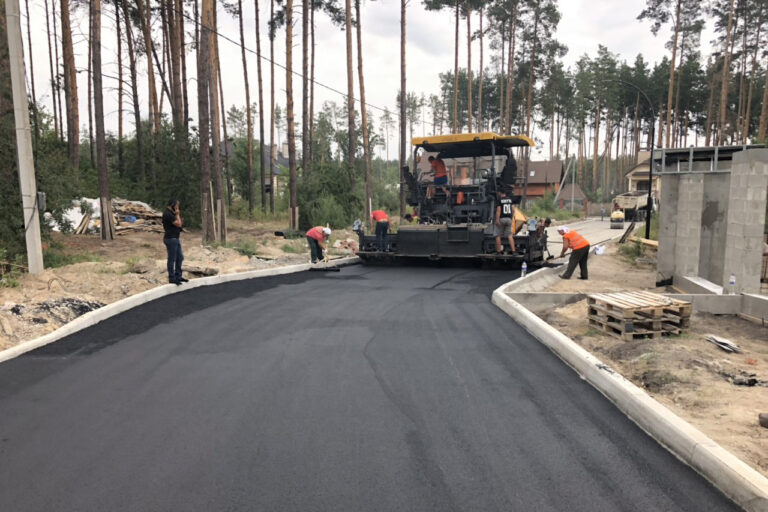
(371,389)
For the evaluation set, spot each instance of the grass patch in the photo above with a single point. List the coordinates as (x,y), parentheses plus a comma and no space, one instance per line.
(654,234)
(9,281)
(291,249)
(546,207)
(54,257)
(631,251)
(246,247)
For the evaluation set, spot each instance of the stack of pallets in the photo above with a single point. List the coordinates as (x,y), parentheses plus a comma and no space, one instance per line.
(638,314)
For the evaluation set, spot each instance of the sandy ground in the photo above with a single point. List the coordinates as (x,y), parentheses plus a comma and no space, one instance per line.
(686,373)
(133,263)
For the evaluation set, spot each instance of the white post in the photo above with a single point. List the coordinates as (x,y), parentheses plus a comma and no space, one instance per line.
(24,139)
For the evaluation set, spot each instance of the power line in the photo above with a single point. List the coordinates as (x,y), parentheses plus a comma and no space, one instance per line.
(267,59)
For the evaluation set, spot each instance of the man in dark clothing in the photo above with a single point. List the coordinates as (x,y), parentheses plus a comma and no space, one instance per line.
(505,223)
(172,225)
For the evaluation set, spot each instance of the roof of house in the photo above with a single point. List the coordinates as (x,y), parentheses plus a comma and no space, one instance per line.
(578,194)
(550,171)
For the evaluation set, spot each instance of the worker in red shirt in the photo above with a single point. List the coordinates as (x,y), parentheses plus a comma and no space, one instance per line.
(579,252)
(382,228)
(441,176)
(317,237)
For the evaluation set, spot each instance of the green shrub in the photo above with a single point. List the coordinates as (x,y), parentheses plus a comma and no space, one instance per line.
(54,257)
(245,246)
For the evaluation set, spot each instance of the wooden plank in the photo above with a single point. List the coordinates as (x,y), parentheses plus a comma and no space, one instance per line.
(646,242)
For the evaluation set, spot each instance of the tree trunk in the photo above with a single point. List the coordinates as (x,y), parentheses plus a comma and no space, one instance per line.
(35,114)
(752,76)
(501,78)
(58,76)
(676,121)
(672,70)
(248,116)
(720,134)
(469,70)
(120,155)
(304,84)
(70,88)
(350,98)
(661,126)
(174,43)
(289,101)
(529,111)
(223,118)
(480,123)
(135,96)
(183,57)
(53,75)
(403,94)
(90,89)
(403,4)
(213,99)
(511,70)
(311,130)
(763,127)
(203,84)
(272,113)
(710,111)
(262,166)
(363,112)
(594,158)
(145,15)
(107,226)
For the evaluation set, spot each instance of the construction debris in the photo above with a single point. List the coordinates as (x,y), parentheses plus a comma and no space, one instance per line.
(199,271)
(128,216)
(723,343)
(638,314)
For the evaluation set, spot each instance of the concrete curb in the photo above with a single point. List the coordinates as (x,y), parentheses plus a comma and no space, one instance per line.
(744,485)
(110,310)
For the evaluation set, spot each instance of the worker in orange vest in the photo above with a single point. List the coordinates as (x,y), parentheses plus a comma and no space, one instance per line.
(579,252)
(382,228)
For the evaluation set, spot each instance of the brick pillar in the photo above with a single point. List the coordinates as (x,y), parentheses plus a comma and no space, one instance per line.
(746,220)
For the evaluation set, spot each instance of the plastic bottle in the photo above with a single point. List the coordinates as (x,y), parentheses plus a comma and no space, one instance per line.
(732,284)
(524,270)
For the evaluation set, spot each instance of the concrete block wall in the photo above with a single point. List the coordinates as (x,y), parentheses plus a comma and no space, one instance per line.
(746,220)
(711,224)
(690,205)
(665,266)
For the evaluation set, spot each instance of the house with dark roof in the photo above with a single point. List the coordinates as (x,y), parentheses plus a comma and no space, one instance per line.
(543,178)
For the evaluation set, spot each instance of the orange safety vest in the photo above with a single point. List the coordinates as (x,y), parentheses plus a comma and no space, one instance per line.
(575,240)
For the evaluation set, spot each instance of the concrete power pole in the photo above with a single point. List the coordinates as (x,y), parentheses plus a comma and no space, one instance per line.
(24,139)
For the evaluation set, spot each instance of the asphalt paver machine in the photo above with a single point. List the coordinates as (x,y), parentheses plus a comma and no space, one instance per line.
(456,221)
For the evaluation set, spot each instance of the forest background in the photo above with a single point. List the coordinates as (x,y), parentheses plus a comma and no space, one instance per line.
(158,66)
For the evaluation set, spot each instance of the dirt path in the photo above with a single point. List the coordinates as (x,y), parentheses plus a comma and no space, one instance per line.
(686,373)
(130,264)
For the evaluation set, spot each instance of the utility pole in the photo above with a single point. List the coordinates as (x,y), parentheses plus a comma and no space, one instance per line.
(24,139)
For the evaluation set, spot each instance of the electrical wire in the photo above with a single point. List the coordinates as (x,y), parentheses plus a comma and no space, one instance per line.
(267,59)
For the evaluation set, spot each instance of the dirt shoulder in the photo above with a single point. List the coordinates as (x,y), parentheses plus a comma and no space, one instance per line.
(132,263)
(686,373)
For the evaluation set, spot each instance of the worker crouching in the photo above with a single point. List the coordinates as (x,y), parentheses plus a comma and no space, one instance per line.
(382,228)
(316,238)
(579,252)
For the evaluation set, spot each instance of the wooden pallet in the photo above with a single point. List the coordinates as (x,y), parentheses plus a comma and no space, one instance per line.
(637,314)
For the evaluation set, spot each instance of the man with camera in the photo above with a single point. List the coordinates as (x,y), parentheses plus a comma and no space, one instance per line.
(172,225)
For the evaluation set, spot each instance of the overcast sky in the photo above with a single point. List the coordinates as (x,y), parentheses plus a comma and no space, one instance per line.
(585,24)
